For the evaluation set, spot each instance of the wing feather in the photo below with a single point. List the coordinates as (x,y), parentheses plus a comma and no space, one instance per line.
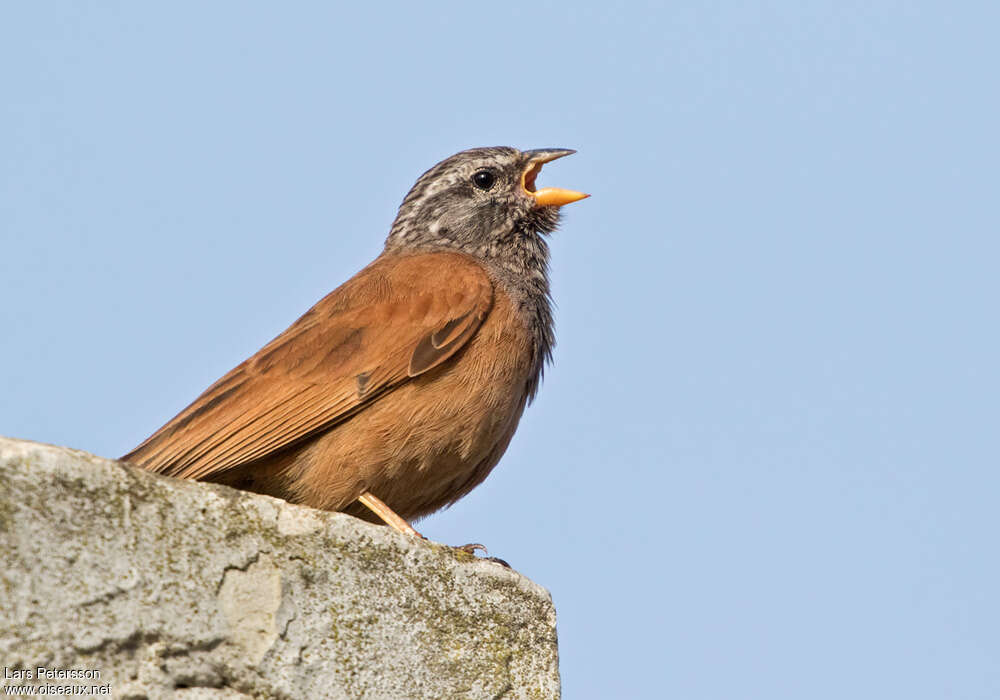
(398,318)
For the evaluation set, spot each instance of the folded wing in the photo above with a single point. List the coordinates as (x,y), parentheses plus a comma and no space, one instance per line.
(396,319)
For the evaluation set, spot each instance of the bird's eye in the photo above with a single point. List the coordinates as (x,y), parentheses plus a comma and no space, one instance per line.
(484,179)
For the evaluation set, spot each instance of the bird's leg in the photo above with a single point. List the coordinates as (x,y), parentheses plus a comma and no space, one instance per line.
(375,505)
(379,508)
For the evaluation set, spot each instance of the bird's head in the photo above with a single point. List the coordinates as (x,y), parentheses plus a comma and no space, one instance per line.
(480,199)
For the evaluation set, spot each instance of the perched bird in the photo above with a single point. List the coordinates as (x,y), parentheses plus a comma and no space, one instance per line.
(399,391)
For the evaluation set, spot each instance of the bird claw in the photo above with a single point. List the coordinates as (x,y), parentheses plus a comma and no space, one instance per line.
(498,560)
(471,549)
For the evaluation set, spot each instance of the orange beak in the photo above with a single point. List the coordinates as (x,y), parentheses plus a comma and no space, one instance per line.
(547,196)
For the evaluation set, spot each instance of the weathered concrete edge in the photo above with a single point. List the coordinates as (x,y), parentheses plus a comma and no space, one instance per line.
(282,519)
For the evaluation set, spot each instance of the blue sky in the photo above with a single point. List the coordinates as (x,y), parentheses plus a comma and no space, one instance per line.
(764,462)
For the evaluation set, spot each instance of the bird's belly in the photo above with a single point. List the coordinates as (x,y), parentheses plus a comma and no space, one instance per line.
(426,443)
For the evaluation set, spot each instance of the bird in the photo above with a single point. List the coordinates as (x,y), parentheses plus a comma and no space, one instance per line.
(398,392)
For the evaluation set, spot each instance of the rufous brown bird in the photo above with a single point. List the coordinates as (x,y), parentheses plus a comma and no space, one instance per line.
(399,391)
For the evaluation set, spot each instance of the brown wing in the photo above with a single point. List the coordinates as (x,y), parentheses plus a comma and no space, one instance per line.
(396,319)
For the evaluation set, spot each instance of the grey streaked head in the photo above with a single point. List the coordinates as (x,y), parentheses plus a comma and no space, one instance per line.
(478,198)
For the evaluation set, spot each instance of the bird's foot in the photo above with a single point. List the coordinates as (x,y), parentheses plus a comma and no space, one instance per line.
(471,549)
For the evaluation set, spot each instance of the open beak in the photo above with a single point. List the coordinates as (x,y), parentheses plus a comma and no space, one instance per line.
(547,196)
